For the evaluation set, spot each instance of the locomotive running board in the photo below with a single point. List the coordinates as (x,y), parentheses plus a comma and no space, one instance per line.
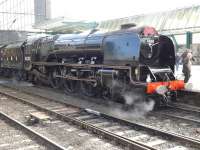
(81,65)
(128,68)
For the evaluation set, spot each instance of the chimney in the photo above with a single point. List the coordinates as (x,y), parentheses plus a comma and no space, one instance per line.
(128,25)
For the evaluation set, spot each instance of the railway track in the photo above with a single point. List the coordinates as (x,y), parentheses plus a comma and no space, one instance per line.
(16,136)
(130,134)
(182,111)
(65,134)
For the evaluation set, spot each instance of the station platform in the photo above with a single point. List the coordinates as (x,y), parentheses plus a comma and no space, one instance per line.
(193,84)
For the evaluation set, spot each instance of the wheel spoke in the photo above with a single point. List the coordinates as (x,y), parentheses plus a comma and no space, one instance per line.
(69,86)
(88,89)
(55,81)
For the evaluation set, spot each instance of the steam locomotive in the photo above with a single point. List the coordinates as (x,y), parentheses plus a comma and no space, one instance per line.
(97,63)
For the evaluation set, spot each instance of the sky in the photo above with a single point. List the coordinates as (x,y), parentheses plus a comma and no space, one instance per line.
(97,10)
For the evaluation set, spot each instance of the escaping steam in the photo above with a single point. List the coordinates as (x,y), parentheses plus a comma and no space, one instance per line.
(14,81)
(136,99)
(131,98)
(139,105)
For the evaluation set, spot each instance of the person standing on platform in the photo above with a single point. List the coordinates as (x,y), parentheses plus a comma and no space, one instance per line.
(187,63)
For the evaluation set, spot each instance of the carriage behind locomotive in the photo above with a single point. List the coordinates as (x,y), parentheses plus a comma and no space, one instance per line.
(107,63)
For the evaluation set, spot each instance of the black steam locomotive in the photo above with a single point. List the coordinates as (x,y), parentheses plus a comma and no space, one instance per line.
(95,63)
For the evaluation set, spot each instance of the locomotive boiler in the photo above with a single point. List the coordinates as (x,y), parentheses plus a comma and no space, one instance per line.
(106,64)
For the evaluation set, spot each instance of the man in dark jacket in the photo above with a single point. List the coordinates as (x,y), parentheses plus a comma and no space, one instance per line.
(187,62)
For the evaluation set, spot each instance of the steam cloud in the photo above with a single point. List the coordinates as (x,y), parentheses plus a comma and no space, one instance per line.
(14,81)
(139,105)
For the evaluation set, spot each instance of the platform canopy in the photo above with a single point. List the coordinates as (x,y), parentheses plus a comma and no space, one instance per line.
(65,25)
(177,21)
(170,22)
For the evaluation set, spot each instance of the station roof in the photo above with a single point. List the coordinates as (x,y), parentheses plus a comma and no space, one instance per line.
(65,25)
(169,22)
(176,21)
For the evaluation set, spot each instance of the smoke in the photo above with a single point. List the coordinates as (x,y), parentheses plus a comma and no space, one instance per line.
(141,106)
(131,97)
(14,81)
(115,83)
(136,103)
(3,81)
(139,111)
